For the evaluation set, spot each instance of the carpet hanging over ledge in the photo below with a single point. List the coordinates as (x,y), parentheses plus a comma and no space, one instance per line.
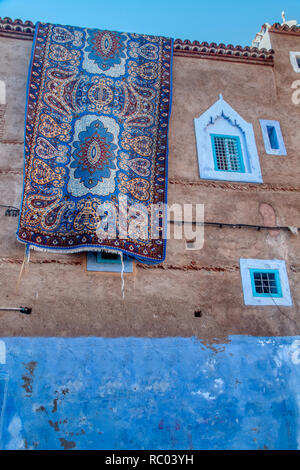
(96,133)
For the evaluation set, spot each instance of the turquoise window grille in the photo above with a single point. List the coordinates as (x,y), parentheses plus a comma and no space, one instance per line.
(265,283)
(227,153)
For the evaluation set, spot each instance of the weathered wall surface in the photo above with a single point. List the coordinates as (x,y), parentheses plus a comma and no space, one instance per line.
(68,301)
(96,392)
(173,393)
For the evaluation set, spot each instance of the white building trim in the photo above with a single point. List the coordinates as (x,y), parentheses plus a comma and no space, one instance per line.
(247,265)
(221,118)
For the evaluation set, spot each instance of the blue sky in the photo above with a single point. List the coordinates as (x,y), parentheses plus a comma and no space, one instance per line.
(233,21)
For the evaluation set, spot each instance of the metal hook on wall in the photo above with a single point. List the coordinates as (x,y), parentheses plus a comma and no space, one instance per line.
(24,310)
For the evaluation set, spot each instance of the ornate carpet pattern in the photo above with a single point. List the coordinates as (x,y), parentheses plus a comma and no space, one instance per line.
(98,106)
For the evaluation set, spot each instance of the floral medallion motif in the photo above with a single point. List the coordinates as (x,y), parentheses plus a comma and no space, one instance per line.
(106,48)
(98,108)
(94,155)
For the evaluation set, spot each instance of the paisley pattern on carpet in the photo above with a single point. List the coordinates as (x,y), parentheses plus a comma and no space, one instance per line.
(97,117)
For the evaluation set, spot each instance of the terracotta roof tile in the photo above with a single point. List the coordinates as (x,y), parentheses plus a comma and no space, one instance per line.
(25,30)
(17,28)
(223,52)
(284,28)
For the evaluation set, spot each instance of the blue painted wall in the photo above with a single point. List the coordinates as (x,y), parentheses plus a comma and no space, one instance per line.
(172,393)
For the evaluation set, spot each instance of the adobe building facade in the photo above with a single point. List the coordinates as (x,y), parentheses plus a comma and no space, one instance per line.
(194,298)
(258,85)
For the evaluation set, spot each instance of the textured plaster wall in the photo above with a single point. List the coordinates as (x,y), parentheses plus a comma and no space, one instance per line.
(146,392)
(172,393)
(68,301)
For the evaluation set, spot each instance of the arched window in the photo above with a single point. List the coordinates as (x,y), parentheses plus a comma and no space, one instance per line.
(273,139)
(226,145)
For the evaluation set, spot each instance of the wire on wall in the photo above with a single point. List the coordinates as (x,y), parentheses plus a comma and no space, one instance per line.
(11,211)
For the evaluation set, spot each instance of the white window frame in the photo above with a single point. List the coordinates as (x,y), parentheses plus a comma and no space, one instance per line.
(293,58)
(223,111)
(269,150)
(246,265)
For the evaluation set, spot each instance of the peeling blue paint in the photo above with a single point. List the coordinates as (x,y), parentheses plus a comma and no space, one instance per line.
(130,393)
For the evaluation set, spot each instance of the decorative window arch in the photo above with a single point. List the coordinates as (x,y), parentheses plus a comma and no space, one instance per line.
(226,145)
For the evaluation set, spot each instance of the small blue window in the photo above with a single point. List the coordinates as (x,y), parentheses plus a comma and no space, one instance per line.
(295,60)
(265,283)
(227,153)
(108,262)
(273,137)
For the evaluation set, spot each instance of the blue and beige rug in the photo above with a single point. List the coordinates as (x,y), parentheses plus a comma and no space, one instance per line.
(98,107)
